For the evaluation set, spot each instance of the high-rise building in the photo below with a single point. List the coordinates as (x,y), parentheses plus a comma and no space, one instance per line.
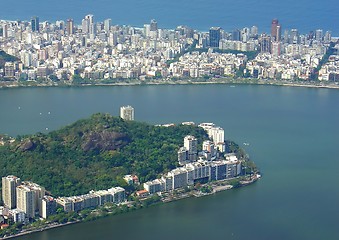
(215,37)
(147,30)
(319,35)
(87,23)
(276,49)
(182,156)
(29,196)
(85,26)
(127,113)
(113,39)
(48,206)
(217,134)
(35,24)
(294,36)
(107,25)
(327,37)
(254,31)
(59,24)
(191,144)
(286,36)
(153,25)
(9,185)
(70,26)
(236,35)
(90,18)
(5,31)
(153,33)
(310,35)
(92,30)
(25,200)
(275,30)
(265,43)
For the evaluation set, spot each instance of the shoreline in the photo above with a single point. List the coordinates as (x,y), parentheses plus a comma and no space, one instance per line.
(185,82)
(164,200)
(47,227)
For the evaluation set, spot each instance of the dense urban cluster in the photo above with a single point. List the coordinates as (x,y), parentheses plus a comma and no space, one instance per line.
(211,164)
(92,51)
(25,200)
(330,70)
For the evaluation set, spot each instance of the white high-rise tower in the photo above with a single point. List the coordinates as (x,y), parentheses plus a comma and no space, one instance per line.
(9,185)
(127,113)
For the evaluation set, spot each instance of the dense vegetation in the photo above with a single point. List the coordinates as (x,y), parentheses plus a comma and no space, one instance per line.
(94,154)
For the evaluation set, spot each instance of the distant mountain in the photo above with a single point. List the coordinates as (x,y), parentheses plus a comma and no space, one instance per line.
(95,153)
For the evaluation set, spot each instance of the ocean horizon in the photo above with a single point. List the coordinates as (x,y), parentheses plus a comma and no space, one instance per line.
(303,15)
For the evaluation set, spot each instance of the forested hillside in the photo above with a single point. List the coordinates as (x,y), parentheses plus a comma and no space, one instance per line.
(95,153)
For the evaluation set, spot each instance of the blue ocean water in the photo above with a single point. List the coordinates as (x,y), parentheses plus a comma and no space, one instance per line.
(304,15)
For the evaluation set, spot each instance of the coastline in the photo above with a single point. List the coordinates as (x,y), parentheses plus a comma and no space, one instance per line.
(185,82)
(217,187)
(51,226)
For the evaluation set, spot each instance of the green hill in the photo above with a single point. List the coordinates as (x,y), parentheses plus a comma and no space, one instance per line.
(95,153)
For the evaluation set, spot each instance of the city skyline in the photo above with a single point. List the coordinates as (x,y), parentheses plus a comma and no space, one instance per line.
(99,51)
(81,24)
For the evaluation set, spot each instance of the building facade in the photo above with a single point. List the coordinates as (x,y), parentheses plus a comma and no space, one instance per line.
(275,30)
(127,113)
(215,36)
(9,185)
(35,24)
(48,206)
(26,200)
(191,145)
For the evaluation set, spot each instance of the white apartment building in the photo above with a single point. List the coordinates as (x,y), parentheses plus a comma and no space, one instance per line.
(9,185)
(127,113)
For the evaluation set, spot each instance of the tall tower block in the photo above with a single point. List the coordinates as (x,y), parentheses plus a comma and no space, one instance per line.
(9,185)
(127,113)
(275,30)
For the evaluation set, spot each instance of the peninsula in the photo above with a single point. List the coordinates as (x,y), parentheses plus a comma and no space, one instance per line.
(108,165)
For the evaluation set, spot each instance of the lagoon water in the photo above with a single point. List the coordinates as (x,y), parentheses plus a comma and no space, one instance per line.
(293,135)
(304,15)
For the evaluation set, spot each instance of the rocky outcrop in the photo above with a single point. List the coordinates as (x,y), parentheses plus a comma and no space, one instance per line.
(27,145)
(103,141)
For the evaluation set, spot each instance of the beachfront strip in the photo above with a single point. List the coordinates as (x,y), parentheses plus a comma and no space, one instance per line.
(24,201)
(100,51)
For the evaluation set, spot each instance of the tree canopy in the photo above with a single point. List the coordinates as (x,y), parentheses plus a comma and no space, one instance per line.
(95,153)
